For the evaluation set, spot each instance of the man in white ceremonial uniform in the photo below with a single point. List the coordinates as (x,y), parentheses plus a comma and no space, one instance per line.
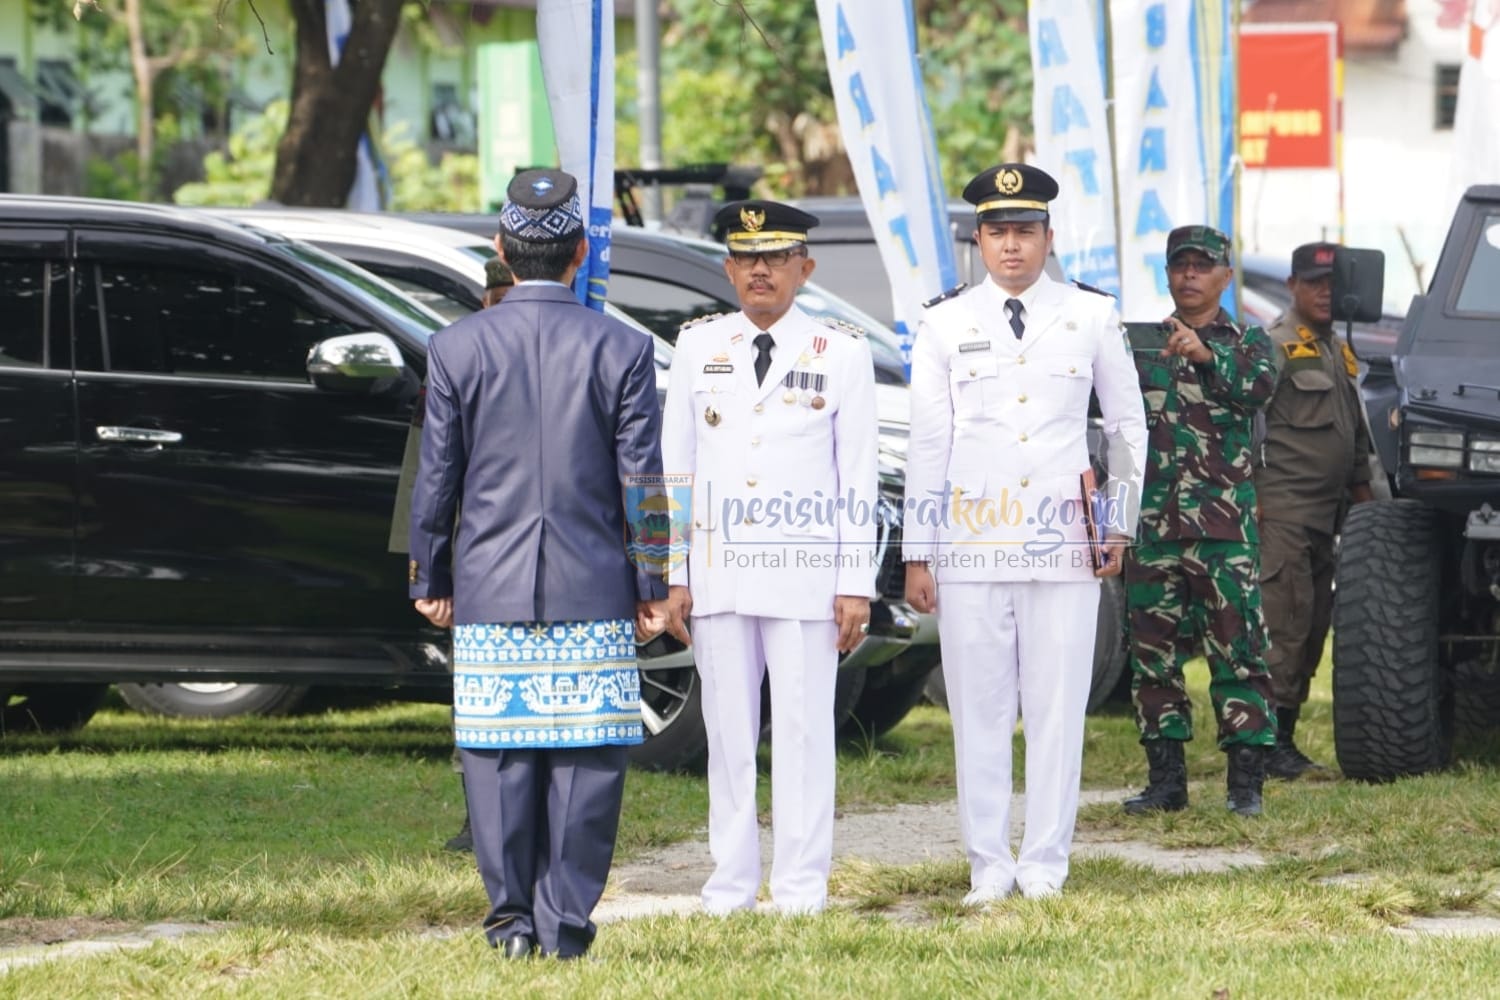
(773,415)
(995,538)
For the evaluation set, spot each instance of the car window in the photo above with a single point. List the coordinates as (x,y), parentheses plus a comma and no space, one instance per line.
(662,306)
(171,320)
(1480,291)
(23,302)
(449,307)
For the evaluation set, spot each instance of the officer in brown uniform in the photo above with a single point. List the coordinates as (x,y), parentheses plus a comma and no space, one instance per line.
(1312,464)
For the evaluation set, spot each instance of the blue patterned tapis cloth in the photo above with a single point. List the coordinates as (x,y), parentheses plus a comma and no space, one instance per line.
(542,685)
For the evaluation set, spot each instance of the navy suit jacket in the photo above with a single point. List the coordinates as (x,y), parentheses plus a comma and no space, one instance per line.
(538,408)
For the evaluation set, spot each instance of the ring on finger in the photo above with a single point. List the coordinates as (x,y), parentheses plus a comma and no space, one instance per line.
(865,627)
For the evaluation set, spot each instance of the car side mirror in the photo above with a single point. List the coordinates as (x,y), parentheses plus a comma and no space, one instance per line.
(1358,285)
(354,362)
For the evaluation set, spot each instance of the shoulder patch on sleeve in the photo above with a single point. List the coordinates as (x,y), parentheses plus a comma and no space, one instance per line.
(946,295)
(842,326)
(700,319)
(1096,291)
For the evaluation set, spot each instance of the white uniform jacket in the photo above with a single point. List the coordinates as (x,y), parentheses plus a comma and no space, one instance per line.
(999,434)
(784,473)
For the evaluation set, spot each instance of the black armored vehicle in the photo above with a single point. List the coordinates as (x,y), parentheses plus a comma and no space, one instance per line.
(1416,622)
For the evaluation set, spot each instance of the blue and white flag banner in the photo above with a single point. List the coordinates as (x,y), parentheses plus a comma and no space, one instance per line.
(365,192)
(1072,136)
(576,39)
(1174,92)
(871,47)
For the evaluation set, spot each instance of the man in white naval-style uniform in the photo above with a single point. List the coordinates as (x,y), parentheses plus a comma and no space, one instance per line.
(773,414)
(995,538)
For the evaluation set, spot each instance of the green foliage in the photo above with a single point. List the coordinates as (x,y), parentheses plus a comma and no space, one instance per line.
(242,174)
(419,186)
(746,81)
(118,177)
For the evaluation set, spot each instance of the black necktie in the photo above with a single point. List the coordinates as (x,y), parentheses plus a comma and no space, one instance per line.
(1013,306)
(763,344)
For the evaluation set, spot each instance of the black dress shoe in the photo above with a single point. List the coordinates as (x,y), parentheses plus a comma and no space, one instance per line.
(518,946)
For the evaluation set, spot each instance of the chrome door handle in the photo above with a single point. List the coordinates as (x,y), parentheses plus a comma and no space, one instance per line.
(137,435)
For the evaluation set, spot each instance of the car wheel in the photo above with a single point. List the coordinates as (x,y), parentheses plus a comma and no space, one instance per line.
(1392,699)
(891,691)
(1110,648)
(48,708)
(213,700)
(671,708)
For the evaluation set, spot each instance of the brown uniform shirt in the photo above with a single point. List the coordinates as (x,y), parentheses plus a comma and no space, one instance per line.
(1317,445)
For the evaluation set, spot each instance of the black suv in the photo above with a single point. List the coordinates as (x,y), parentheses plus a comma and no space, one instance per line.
(203,432)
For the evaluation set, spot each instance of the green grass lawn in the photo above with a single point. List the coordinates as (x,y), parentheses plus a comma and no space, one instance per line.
(315,840)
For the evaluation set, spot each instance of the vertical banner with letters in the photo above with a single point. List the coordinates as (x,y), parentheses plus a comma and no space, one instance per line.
(1072,135)
(577,43)
(871,47)
(1174,91)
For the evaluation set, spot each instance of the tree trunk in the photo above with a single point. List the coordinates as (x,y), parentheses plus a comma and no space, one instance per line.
(331,105)
(145,78)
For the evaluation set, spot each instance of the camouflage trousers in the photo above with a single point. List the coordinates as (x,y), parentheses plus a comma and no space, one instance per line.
(1179,594)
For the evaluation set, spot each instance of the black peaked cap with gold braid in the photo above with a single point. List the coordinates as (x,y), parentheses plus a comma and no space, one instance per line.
(1011,192)
(761,226)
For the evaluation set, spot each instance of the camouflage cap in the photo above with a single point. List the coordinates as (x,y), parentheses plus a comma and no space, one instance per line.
(1205,239)
(496,274)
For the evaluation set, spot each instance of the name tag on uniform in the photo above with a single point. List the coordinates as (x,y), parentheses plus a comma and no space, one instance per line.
(974,345)
(717,369)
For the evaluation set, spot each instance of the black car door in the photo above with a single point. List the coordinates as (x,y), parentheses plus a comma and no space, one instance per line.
(38,438)
(220,489)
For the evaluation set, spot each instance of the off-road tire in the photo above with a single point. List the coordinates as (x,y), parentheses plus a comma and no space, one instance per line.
(206,700)
(1392,699)
(48,708)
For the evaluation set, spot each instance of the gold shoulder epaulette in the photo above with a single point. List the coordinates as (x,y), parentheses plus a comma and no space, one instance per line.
(700,319)
(841,325)
(946,295)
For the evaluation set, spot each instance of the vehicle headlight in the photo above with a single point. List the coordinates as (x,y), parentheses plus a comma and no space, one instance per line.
(1444,449)
(1484,455)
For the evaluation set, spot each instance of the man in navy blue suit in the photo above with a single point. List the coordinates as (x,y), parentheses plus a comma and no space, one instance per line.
(540,413)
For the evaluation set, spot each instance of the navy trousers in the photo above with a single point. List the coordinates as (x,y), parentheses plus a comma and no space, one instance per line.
(544,824)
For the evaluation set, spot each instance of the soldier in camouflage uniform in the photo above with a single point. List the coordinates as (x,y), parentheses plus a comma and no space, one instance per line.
(1194,575)
(1315,462)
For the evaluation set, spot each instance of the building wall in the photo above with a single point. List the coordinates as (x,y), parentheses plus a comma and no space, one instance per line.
(1396,166)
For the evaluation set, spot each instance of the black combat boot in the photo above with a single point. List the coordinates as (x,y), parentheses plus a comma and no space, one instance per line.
(1247,773)
(1285,760)
(1166,791)
(463,840)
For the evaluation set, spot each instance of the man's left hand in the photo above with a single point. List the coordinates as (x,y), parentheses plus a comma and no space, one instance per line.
(438,610)
(1114,556)
(1361,493)
(852,616)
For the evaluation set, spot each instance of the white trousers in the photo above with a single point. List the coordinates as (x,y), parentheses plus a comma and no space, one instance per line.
(732,653)
(1007,643)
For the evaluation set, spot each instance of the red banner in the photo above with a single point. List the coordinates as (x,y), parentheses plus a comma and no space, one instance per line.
(1289,95)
